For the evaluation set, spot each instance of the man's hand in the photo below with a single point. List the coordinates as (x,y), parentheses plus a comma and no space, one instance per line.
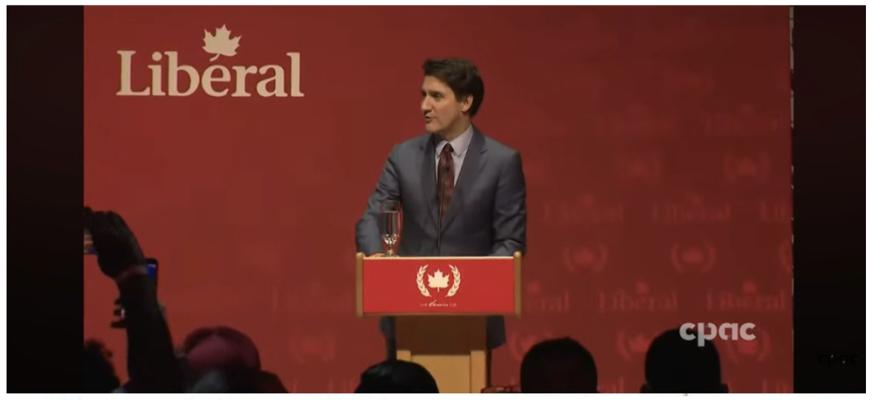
(116,246)
(377,255)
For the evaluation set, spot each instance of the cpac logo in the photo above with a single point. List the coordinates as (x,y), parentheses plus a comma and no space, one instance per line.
(216,80)
(726,331)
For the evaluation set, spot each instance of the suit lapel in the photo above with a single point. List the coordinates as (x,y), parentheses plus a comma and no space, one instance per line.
(473,162)
(428,180)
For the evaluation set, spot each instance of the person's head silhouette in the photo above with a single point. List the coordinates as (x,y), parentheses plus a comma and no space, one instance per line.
(396,376)
(677,365)
(221,359)
(558,366)
(99,374)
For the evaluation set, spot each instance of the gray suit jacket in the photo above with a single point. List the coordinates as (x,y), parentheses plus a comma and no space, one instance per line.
(486,217)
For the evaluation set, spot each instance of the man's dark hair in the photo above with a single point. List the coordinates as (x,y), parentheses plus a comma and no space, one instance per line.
(396,376)
(558,366)
(676,365)
(461,76)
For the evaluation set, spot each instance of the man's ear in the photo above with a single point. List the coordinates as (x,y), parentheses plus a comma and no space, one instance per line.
(467,103)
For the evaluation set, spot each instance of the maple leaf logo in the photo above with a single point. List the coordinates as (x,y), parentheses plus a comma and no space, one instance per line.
(438,280)
(220,44)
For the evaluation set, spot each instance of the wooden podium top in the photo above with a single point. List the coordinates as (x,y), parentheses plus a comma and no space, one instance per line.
(438,285)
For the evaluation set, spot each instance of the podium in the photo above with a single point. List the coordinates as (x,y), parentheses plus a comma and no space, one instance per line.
(440,305)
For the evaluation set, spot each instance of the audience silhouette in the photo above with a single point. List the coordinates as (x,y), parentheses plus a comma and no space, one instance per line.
(215,359)
(560,365)
(676,365)
(99,374)
(396,376)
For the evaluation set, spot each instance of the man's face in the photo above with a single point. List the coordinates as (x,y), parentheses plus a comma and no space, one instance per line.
(443,113)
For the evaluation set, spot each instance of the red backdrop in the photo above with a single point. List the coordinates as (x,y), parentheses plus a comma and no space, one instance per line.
(655,143)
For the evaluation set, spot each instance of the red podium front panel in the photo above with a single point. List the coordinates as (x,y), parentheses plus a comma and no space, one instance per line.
(438,285)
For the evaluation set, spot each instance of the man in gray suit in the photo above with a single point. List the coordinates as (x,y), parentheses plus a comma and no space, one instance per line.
(462,193)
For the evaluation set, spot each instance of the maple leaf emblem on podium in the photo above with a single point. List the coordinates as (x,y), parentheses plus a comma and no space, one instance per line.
(220,44)
(437,280)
